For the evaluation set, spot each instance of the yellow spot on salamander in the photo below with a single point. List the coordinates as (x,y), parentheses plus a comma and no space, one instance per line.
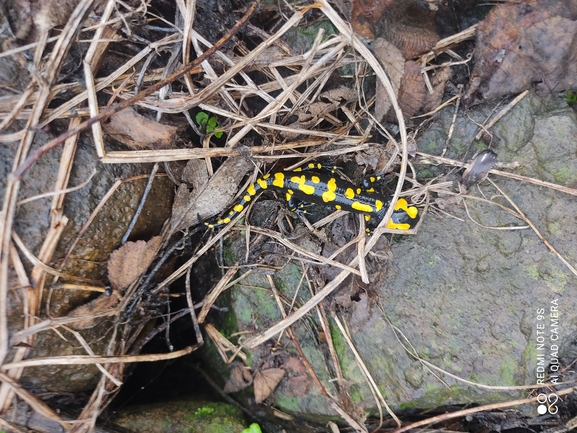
(401,204)
(349,193)
(362,207)
(238,208)
(338,207)
(367,217)
(412,211)
(403,226)
(378,205)
(288,196)
(301,182)
(370,190)
(226,220)
(266,176)
(278,180)
(251,190)
(246,198)
(330,195)
(358,190)
(315,179)
(263,184)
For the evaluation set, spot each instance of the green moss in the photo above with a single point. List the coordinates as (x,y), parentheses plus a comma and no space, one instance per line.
(289,404)
(184,415)
(203,412)
(533,271)
(439,396)
(508,372)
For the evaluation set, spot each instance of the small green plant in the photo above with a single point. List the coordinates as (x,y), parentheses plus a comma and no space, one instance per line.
(203,412)
(209,123)
(253,428)
(571,97)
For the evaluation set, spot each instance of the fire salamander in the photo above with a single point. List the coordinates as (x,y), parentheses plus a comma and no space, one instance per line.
(314,184)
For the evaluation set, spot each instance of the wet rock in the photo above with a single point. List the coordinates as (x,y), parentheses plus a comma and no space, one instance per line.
(463,294)
(88,260)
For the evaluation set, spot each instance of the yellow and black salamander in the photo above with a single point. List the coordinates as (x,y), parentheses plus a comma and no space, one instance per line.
(314,184)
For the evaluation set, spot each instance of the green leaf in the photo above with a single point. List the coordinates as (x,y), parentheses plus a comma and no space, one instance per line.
(212,122)
(253,428)
(201,118)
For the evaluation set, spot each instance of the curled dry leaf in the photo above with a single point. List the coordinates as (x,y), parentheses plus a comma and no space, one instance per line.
(139,132)
(265,382)
(129,261)
(519,44)
(240,378)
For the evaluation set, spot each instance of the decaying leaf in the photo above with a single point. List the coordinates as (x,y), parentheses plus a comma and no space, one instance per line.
(340,94)
(265,381)
(195,174)
(190,209)
(408,83)
(240,378)
(88,313)
(129,261)
(139,132)
(520,43)
(394,64)
(408,24)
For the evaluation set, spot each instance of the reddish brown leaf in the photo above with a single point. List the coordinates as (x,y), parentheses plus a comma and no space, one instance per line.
(394,64)
(265,381)
(521,43)
(139,132)
(130,260)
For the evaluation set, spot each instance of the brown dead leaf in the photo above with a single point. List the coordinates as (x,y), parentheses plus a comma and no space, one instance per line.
(340,94)
(413,91)
(139,132)
(195,174)
(129,261)
(190,209)
(54,13)
(394,64)
(521,43)
(240,378)
(408,24)
(265,382)
(413,95)
(438,80)
(90,309)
